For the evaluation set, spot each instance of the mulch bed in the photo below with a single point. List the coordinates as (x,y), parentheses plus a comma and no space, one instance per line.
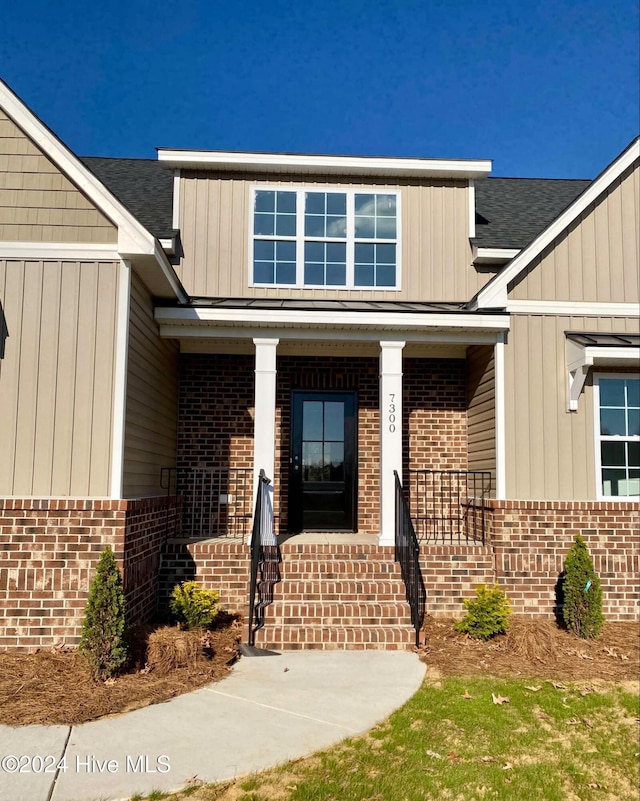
(534,648)
(56,687)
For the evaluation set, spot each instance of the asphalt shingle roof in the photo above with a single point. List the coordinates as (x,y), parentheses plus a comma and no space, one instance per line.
(511,212)
(144,186)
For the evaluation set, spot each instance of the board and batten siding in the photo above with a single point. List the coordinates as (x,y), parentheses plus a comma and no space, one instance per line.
(549,451)
(38,203)
(57,377)
(597,257)
(152,399)
(481,410)
(216,221)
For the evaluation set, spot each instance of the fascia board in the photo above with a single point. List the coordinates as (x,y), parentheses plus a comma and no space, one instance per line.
(494,255)
(494,294)
(330,165)
(133,238)
(192,315)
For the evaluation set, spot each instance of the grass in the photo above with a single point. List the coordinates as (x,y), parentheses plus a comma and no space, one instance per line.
(451,741)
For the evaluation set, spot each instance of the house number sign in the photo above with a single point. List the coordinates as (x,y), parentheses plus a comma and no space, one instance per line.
(392,412)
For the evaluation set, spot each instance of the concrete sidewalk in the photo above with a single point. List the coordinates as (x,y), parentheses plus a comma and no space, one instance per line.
(269,710)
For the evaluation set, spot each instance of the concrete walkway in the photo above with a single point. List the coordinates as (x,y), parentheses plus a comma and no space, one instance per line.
(269,710)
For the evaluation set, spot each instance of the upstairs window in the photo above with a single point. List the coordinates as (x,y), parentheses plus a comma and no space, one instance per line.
(347,239)
(617,403)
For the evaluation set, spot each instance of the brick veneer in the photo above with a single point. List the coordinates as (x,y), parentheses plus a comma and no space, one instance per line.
(530,540)
(216,417)
(49,549)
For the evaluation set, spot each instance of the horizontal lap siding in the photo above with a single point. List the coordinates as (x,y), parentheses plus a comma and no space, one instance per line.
(216,221)
(152,399)
(549,451)
(37,202)
(56,377)
(597,258)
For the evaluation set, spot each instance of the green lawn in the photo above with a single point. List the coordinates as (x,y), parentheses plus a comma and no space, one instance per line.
(451,741)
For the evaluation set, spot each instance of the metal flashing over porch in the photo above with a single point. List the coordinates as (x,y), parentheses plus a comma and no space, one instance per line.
(364,320)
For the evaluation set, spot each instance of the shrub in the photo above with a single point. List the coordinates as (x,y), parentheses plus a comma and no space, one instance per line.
(193,606)
(487,613)
(103,641)
(582,610)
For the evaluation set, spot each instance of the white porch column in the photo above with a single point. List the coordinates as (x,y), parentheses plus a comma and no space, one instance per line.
(264,420)
(390,434)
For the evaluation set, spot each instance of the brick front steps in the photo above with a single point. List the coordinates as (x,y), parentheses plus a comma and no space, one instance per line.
(336,596)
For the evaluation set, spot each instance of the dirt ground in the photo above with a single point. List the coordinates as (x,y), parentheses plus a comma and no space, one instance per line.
(534,648)
(55,686)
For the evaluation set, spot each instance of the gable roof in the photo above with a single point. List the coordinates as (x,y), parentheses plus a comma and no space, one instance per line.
(494,294)
(511,212)
(134,240)
(144,186)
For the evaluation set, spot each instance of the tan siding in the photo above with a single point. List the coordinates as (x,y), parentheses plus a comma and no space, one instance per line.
(56,378)
(436,255)
(597,258)
(550,452)
(37,202)
(481,421)
(152,399)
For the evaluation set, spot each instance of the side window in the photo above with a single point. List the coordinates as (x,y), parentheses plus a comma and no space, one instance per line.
(617,424)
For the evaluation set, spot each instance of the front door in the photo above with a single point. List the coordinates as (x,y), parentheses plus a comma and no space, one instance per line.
(322,478)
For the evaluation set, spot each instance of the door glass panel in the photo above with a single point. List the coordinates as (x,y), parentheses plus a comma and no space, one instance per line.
(312,420)
(334,421)
(334,461)
(312,467)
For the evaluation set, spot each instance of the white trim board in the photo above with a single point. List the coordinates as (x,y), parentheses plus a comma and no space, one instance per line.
(133,238)
(494,255)
(494,294)
(342,319)
(59,251)
(120,381)
(573,308)
(329,165)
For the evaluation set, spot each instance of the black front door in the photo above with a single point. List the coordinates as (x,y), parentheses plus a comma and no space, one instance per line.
(322,478)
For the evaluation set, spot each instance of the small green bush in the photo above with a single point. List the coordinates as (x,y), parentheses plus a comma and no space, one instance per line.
(193,606)
(103,641)
(487,613)
(582,610)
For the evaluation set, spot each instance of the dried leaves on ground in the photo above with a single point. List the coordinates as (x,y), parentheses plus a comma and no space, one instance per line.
(534,647)
(55,686)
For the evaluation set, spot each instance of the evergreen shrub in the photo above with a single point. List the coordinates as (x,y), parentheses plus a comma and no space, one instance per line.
(103,630)
(193,606)
(487,613)
(582,610)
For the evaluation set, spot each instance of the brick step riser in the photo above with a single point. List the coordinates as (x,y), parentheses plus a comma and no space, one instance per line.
(336,636)
(285,608)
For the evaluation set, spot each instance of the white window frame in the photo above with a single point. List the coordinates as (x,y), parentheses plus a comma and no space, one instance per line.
(350,239)
(598,438)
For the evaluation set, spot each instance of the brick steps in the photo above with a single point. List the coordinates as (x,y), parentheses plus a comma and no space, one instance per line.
(338,596)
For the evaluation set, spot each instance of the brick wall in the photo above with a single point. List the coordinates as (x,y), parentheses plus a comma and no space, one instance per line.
(48,553)
(216,417)
(530,540)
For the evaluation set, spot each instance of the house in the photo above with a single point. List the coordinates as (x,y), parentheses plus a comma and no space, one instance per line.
(393,341)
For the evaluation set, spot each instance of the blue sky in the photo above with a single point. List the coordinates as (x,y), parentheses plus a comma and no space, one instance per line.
(547,88)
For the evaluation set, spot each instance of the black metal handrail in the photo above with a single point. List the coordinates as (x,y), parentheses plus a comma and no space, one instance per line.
(265,557)
(215,501)
(448,506)
(407,553)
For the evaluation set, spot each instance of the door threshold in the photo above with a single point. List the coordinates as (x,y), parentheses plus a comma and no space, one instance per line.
(330,538)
